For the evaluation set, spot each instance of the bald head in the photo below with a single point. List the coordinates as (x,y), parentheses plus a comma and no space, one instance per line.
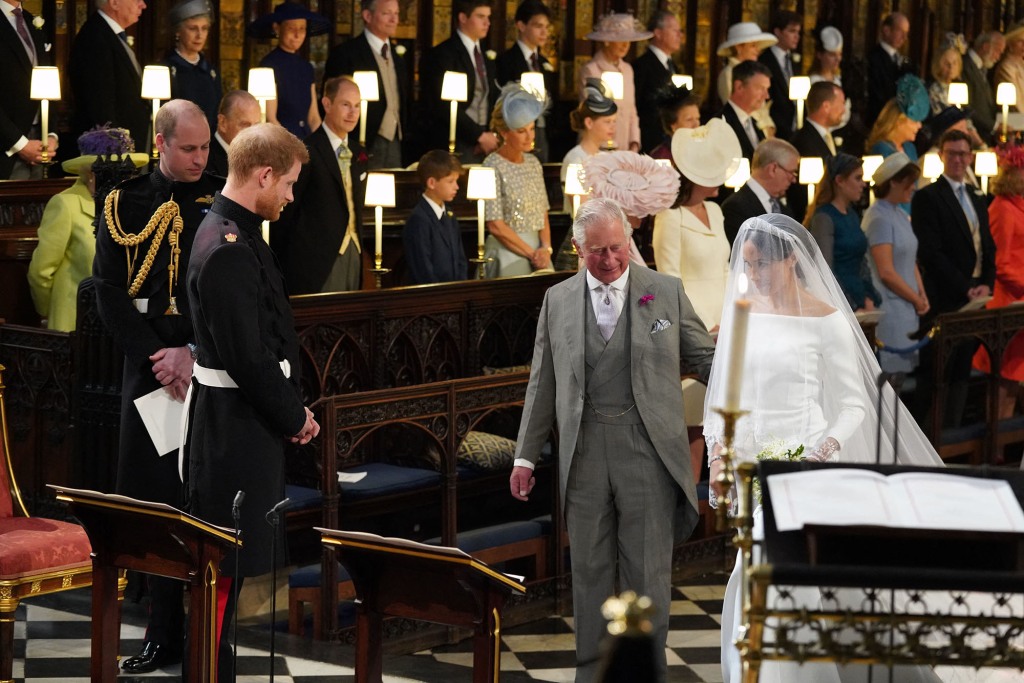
(183,140)
(238,111)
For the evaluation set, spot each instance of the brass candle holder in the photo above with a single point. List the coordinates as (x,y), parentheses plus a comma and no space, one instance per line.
(378,270)
(481,262)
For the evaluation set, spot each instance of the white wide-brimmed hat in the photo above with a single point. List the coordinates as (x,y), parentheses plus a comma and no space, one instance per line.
(618,28)
(890,166)
(746,32)
(707,155)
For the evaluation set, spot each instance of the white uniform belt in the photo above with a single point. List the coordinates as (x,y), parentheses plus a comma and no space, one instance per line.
(222,380)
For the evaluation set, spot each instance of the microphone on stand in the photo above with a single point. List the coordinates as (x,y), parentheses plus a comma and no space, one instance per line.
(273,518)
(236,514)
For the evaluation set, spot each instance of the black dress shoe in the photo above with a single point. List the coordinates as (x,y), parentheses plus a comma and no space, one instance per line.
(151,658)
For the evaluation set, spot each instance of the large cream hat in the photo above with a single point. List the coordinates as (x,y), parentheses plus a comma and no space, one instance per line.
(618,28)
(708,155)
(890,166)
(746,32)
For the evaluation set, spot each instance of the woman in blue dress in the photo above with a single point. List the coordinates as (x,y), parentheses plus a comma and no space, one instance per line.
(193,78)
(835,224)
(295,107)
(894,257)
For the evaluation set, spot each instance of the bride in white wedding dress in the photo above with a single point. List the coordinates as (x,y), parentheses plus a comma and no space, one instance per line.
(809,379)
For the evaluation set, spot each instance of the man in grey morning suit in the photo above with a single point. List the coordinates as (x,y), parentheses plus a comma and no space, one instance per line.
(611,343)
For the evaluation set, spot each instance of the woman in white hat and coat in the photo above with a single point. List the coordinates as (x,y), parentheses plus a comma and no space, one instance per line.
(689,242)
(614,33)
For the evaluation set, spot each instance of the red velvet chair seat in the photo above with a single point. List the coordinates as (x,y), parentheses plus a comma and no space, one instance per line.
(34,544)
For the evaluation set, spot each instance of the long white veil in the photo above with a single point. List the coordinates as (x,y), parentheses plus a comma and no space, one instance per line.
(808,371)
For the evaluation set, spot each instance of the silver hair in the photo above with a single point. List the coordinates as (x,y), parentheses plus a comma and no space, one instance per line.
(985,38)
(599,211)
(773,151)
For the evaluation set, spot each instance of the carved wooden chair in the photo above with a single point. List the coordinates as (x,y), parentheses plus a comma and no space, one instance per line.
(37,555)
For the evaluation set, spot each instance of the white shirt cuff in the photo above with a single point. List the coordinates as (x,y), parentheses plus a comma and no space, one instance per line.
(522,462)
(17,146)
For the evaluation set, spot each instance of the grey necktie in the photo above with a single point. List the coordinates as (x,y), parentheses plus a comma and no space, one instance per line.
(606,318)
(776,206)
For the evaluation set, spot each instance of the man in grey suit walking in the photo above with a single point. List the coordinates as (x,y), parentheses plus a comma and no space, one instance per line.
(611,343)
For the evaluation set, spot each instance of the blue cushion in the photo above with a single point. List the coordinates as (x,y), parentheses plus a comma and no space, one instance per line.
(964,433)
(309,576)
(302,498)
(494,536)
(383,479)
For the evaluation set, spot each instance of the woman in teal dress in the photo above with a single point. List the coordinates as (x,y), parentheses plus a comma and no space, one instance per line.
(835,224)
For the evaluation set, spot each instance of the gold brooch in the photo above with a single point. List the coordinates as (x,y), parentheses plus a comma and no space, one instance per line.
(230,237)
(208,199)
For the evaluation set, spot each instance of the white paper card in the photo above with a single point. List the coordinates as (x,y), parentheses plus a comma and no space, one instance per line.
(161,415)
(350,477)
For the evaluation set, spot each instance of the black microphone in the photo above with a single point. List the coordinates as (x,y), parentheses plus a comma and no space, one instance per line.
(236,506)
(274,511)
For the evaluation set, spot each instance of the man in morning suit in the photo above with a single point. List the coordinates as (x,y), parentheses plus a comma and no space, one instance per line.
(431,239)
(775,167)
(886,64)
(371,50)
(750,83)
(652,71)
(145,310)
(105,75)
(956,255)
(978,62)
(463,52)
(778,58)
(238,110)
(826,105)
(611,342)
(533,21)
(22,46)
(317,237)
(245,393)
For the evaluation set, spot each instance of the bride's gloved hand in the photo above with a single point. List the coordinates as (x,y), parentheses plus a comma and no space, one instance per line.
(824,452)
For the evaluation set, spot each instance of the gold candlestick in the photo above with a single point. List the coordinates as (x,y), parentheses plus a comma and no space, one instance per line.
(378,270)
(481,262)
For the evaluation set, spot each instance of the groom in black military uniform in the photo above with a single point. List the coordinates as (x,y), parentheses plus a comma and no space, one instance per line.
(142,249)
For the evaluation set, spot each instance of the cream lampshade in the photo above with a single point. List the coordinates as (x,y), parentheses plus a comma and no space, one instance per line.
(741,176)
(613,81)
(958,94)
(679,80)
(985,166)
(812,170)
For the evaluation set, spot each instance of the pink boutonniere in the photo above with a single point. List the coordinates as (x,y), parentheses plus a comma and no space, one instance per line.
(646,299)
(362,158)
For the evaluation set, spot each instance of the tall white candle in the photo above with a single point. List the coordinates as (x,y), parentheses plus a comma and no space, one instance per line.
(378,229)
(362,127)
(480,223)
(44,116)
(451,124)
(737,346)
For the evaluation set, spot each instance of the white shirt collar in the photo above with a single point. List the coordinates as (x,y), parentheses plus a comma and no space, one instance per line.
(114,26)
(374,41)
(889,49)
(660,54)
(438,208)
(978,61)
(743,116)
(822,130)
(761,193)
(8,9)
(780,55)
(334,138)
(527,51)
(468,43)
(955,184)
(218,138)
(618,285)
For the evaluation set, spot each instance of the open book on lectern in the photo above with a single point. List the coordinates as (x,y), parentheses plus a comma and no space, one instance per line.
(910,500)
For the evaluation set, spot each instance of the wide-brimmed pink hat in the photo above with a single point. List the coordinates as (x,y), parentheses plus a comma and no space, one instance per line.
(618,28)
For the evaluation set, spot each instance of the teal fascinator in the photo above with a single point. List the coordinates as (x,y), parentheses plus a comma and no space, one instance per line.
(912,97)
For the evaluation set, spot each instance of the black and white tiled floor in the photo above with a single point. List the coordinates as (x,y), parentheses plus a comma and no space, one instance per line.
(52,646)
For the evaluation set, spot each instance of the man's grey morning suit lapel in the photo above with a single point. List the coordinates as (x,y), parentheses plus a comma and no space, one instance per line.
(641,317)
(575,321)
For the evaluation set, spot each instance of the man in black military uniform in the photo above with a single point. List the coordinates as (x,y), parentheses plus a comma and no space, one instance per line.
(143,245)
(245,399)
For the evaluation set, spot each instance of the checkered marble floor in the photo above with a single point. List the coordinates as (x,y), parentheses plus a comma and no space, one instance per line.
(52,645)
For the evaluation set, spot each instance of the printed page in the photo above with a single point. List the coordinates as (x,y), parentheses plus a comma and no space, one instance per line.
(836,496)
(948,501)
(161,415)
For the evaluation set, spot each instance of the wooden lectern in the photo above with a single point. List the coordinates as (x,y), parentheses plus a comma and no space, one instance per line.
(152,538)
(439,584)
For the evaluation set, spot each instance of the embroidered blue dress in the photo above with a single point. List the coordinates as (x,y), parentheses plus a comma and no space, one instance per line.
(199,83)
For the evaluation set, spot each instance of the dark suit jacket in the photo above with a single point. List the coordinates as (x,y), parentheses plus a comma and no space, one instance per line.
(433,247)
(983,101)
(451,55)
(17,111)
(882,76)
(105,84)
(783,109)
(217,162)
(312,228)
(729,114)
(945,251)
(740,206)
(355,55)
(809,143)
(649,75)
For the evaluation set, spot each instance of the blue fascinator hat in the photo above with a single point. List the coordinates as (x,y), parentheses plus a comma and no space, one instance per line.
(912,97)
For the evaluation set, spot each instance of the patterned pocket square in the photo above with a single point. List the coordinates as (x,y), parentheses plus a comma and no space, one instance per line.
(660,325)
